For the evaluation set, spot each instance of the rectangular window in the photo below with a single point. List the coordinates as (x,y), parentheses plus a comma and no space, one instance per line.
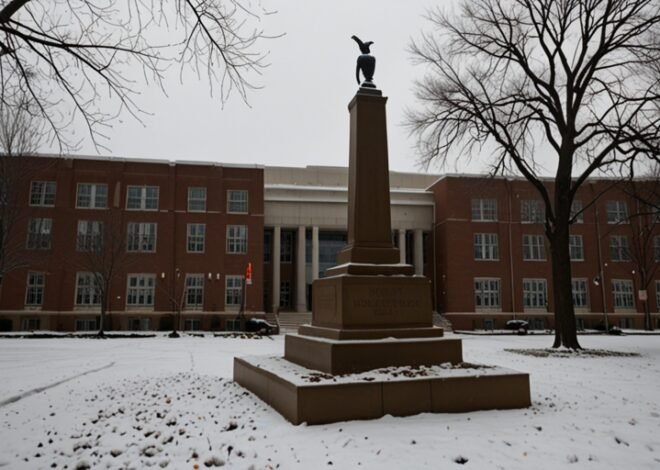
(196,235)
(485,246)
(196,199)
(237,239)
(39,234)
(42,193)
(286,248)
(577,212)
(140,292)
(285,294)
(192,324)
(139,324)
(619,250)
(617,212)
(92,196)
(656,248)
(34,292)
(194,290)
(31,324)
(86,324)
(268,246)
(533,247)
(657,297)
(576,247)
(87,289)
(142,237)
(622,289)
(233,290)
(486,293)
(532,211)
(237,201)
(535,293)
(90,235)
(142,198)
(484,210)
(579,288)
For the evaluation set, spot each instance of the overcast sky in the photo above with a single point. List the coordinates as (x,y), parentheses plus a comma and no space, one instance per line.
(300,116)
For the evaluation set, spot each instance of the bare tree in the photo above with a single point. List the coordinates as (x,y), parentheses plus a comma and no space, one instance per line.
(519,78)
(70,55)
(176,290)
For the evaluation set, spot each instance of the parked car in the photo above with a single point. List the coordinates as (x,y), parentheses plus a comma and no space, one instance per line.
(521,326)
(258,325)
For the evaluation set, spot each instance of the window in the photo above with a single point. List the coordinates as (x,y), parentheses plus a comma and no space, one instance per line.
(92,196)
(90,235)
(196,199)
(623,293)
(34,292)
(237,201)
(196,234)
(194,290)
(142,198)
(485,246)
(579,288)
(656,248)
(237,239)
(286,247)
(576,247)
(484,210)
(577,213)
(285,294)
(532,211)
(87,289)
(39,234)
(86,324)
(141,290)
(233,290)
(142,237)
(486,293)
(192,324)
(139,324)
(42,193)
(619,250)
(657,296)
(533,248)
(268,246)
(535,293)
(617,212)
(31,324)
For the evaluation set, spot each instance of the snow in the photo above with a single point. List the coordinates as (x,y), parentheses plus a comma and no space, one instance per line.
(170,403)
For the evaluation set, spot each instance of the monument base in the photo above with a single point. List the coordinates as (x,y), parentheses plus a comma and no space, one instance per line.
(307,396)
(370,333)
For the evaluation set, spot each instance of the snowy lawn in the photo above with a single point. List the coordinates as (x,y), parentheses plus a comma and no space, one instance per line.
(159,402)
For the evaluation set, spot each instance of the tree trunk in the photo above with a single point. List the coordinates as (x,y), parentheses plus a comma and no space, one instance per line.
(565,326)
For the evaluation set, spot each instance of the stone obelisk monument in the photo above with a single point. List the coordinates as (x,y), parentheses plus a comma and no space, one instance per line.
(370,312)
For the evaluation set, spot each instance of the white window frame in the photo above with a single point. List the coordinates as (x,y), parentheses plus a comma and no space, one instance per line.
(144,236)
(40,234)
(192,324)
(143,200)
(577,211)
(617,212)
(233,290)
(484,210)
(196,203)
(580,292)
(576,247)
(96,200)
(535,293)
(144,288)
(194,291)
(533,247)
(285,294)
(237,239)
(86,324)
(532,211)
(35,287)
(43,193)
(195,238)
(486,247)
(487,293)
(242,201)
(30,324)
(88,292)
(623,294)
(89,235)
(619,249)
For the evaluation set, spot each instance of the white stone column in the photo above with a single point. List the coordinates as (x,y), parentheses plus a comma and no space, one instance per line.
(277,243)
(315,253)
(418,252)
(301,278)
(402,246)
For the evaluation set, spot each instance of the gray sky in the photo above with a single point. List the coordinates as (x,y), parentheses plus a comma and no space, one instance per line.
(300,117)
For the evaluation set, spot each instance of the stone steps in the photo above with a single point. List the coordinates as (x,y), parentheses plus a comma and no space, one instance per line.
(290,321)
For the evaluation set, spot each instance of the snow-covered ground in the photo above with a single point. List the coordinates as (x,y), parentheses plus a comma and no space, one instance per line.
(160,402)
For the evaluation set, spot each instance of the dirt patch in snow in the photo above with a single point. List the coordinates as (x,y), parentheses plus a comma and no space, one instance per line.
(563,352)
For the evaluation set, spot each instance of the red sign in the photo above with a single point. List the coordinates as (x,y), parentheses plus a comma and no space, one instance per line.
(248,274)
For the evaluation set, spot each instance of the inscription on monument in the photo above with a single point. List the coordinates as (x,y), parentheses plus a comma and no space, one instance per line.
(386,301)
(325,302)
